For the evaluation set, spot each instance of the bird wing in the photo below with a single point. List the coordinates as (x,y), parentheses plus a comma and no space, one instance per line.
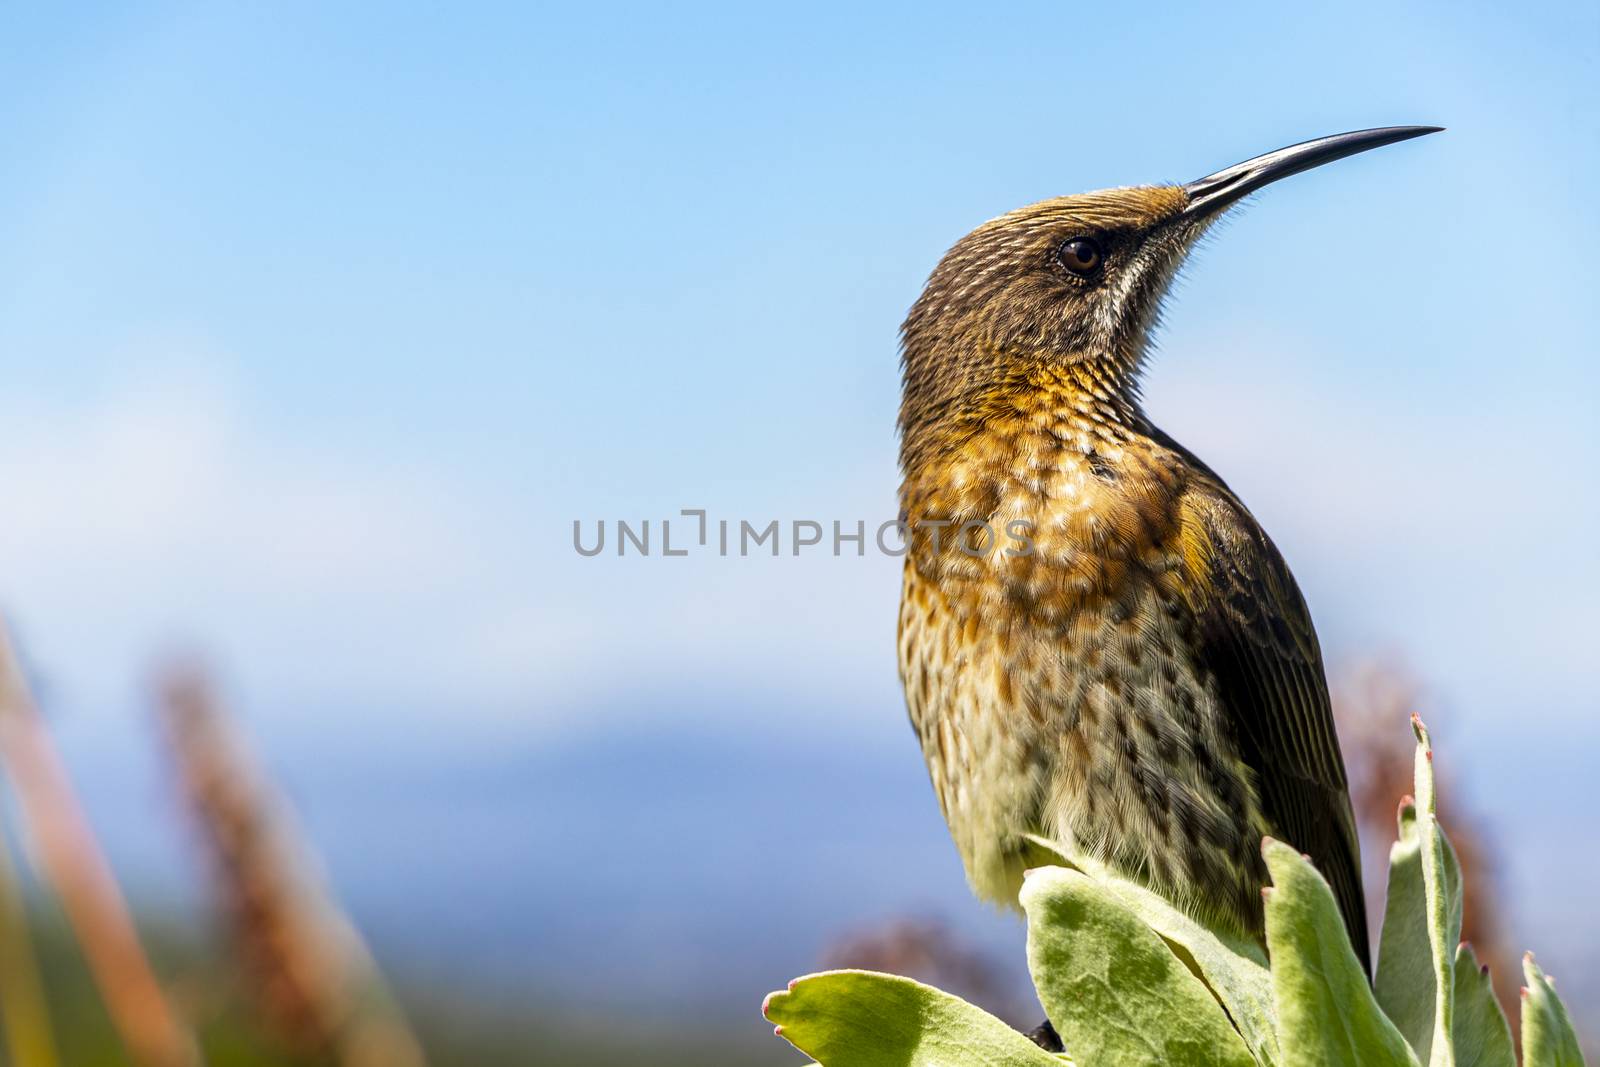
(1255,637)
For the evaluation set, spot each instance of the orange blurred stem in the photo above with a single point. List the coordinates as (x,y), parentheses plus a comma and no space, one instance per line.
(77,869)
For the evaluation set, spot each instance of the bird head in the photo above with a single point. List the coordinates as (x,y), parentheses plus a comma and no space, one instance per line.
(1073,284)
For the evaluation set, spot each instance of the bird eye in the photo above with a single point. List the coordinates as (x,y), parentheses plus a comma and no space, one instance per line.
(1079,255)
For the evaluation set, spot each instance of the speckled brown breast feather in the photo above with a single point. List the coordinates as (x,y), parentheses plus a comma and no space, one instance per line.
(1056,692)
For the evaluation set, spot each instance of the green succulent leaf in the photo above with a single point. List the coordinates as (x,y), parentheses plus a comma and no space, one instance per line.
(866,1019)
(1547,1036)
(1405,978)
(1326,1012)
(1116,992)
(1421,922)
(1480,1036)
(1234,967)
(1441,882)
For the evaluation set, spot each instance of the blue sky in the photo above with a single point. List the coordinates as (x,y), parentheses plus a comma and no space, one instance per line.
(319,327)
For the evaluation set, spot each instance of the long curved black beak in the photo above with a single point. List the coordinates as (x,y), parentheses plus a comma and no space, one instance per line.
(1211,194)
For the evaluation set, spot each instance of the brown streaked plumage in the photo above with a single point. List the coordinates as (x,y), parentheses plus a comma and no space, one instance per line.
(1136,673)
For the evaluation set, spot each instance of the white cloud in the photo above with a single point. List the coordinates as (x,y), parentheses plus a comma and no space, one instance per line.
(156,515)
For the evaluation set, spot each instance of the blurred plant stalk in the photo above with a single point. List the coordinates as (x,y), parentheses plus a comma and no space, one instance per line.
(78,872)
(22,1003)
(315,982)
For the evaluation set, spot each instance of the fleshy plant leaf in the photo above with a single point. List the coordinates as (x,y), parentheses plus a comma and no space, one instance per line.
(1404,979)
(1547,1036)
(1234,967)
(1421,921)
(1441,883)
(866,1019)
(1480,1035)
(1116,992)
(1327,1014)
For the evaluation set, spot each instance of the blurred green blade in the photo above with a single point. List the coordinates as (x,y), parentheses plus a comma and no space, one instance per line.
(1480,1036)
(1548,1039)
(23,1009)
(1115,991)
(1326,1012)
(866,1019)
